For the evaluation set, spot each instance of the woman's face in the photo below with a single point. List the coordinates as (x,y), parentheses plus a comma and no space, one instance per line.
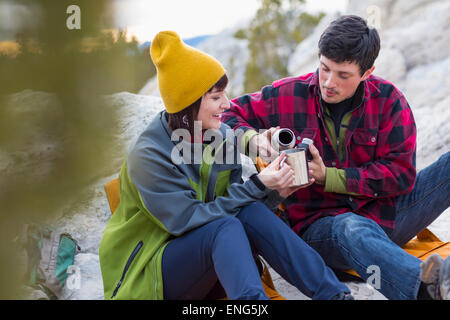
(212,106)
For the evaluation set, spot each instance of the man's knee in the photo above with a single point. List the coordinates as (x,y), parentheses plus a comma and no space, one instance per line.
(350,226)
(445,157)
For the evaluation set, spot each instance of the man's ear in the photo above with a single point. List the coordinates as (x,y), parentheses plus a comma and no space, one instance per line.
(367,73)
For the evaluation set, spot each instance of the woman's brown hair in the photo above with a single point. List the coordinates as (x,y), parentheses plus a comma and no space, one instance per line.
(185,118)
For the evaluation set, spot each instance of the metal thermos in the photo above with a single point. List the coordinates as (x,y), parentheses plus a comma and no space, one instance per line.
(305,145)
(283,139)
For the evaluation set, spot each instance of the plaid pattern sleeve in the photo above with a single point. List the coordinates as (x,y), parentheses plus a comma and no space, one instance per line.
(285,103)
(250,111)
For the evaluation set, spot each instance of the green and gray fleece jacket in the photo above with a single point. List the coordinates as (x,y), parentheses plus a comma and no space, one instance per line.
(161,199)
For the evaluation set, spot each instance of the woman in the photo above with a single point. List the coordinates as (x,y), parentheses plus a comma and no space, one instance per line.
(184,228)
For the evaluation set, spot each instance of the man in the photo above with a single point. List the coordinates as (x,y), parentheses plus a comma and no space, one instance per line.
(367,200)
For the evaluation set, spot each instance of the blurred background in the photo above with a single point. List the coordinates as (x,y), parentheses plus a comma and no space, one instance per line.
(77,85)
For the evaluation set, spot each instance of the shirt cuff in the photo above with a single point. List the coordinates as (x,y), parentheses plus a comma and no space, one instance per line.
(336,181)
(250,133)
(255,190)
(254,177)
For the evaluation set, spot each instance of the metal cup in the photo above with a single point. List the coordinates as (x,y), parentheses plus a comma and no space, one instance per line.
(296,158)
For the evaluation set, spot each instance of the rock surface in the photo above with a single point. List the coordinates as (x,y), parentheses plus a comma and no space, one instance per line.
(414,56)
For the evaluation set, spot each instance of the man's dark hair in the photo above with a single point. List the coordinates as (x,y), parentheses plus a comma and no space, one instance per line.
(348,38)
(185,118)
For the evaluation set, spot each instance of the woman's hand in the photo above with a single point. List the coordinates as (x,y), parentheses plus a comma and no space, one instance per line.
(282,179)
(261,145)
(275,178)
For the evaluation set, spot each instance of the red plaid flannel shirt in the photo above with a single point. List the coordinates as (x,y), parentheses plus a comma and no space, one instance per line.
(380,146)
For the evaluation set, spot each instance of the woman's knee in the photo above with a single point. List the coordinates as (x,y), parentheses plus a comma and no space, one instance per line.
(205,236)
(254,210)
(227,224)
(254,207)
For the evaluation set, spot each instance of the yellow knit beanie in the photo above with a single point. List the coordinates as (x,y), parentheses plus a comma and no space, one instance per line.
(185,74)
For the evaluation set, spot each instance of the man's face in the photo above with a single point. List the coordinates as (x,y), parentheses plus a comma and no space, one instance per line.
(339,81)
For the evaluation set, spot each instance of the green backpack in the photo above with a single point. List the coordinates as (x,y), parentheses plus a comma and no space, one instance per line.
(47,255)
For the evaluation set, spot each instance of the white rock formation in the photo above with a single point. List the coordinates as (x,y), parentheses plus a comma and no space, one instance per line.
(305,57)
(233,54)
(391,65)
(414,55)
(34,148)
(150,88)
(84,281)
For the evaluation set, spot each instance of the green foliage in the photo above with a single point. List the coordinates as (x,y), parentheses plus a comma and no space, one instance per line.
(110,64)
(57,136)
(276,30)
(241,34)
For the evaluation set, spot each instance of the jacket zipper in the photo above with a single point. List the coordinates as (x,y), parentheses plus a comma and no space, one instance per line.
(209,183)
(156,274)
(130,260)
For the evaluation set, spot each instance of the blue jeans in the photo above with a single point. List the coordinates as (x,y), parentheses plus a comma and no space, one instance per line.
(221,253)
(350,241)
